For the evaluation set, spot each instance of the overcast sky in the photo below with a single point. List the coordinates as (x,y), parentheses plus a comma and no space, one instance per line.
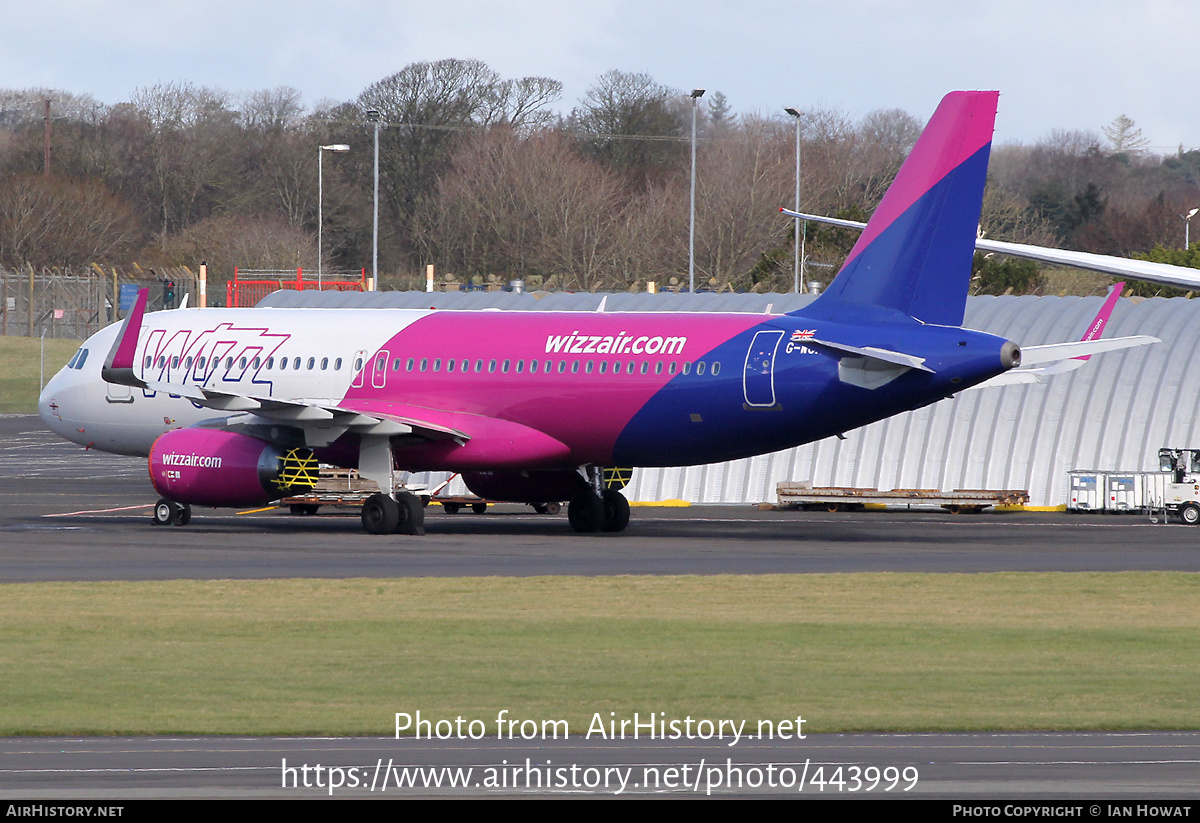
(1058,65)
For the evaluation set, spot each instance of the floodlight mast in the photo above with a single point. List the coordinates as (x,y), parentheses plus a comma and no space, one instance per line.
(696,95)
(1187,228)
(339,147)
(374,116)
(798,244)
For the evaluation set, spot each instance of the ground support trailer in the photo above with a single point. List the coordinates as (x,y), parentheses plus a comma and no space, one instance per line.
(793,495)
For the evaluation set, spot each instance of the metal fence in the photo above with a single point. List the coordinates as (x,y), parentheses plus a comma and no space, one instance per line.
(76,303)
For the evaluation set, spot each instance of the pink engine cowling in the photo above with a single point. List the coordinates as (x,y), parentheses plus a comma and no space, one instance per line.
(211,467)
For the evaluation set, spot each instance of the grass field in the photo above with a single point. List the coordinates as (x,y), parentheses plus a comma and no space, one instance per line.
(847,652)
(20,358)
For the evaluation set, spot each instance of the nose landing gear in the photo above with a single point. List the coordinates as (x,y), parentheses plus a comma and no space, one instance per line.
(169,513)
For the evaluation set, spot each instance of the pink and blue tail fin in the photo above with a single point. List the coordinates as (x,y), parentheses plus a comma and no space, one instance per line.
(915,254)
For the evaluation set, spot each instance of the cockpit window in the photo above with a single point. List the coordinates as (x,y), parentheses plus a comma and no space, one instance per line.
(79,359)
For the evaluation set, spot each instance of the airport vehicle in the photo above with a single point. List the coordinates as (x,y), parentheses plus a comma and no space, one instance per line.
(236,407)
(1181,492)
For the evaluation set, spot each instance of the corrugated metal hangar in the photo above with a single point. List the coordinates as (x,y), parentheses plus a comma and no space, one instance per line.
(1112,414)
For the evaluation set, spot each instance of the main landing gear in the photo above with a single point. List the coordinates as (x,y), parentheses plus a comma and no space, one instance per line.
(402,514)
(598,508)
(169,513)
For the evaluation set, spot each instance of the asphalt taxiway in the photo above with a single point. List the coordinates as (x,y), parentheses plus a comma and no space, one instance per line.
(70,514)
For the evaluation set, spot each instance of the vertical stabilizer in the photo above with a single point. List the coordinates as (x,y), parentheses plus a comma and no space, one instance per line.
(915,254)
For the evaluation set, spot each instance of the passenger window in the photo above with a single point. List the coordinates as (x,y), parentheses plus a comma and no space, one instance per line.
(437,364)
(533,366)
(603,366)
(700,368)
(358,364)
(520,366)
(324,363)
(296,364)
(396,364)
(716,368)
(148,362)
(504,367)
(337,364)
(478,366)
(450,365)
(645,367)
(562,366)
(671,367)
(270,362)
(491,367)
(410,365)
(574,367)
(257,362)
(312,361)
(687,366)
(658,367)
(241,362)
(424,363)
(283,364)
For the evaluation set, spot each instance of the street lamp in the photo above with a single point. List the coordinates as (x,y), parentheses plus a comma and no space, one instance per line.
(1187,225)
(321,203)
(797,244)
(374,116)
(696,95)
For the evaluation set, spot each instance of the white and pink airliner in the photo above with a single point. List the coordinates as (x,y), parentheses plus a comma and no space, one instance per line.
(236,407)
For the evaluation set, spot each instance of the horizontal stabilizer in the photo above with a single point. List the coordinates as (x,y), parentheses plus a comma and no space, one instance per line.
(869,367)
(1053,352)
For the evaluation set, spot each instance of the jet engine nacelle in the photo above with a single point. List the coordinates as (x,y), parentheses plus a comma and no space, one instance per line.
(525,487)
(210,467)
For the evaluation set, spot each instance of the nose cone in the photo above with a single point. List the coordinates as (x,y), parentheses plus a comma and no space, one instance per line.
(57,398)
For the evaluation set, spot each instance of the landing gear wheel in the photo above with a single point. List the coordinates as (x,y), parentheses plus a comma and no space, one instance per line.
(380,514)
(585,512)
(1189,513)
(183,514)
(410,514)
(616,511)
(479,508)
(163,512)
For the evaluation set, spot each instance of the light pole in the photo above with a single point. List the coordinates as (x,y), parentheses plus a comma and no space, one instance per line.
(321,203)
(374,116)
(1187,226)
(799,249)
(696,95)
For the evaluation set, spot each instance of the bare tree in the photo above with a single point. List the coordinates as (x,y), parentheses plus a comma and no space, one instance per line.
(633,125)
(56,221)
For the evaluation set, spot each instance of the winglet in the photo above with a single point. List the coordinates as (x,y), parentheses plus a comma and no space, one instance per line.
(1097,328)
(915,254)
(118,366)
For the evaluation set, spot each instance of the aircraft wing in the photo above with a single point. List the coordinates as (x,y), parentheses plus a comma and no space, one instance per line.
(1161,273)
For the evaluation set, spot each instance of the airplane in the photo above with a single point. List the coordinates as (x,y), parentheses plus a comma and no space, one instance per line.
(237,407)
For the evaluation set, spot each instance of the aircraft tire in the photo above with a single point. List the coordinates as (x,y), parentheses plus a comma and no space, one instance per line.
(585,513)
(183,514)
(616,511)
(1189,513)
(410,514)
(164,512)
(380,514)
